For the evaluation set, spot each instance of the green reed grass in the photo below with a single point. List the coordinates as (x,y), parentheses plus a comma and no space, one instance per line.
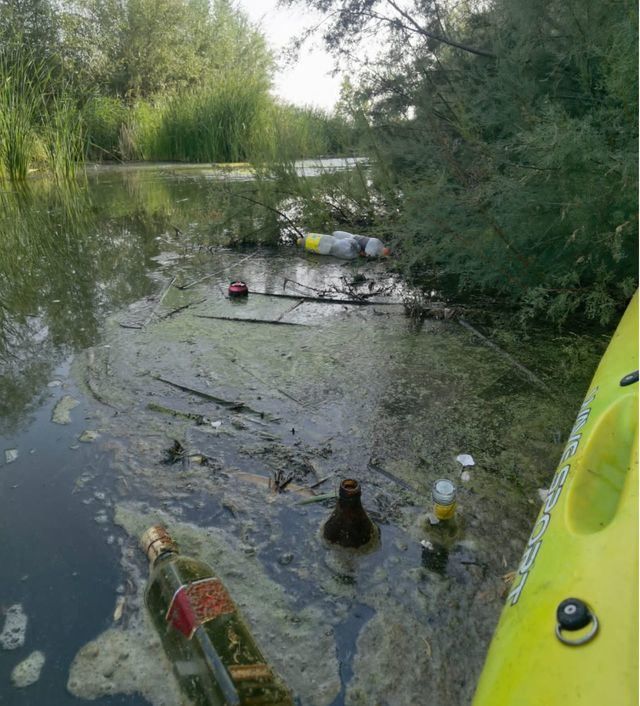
(20,105)
(39,122)
(230,120)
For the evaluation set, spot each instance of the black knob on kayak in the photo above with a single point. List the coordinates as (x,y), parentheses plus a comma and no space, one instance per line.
(629,379)
(573,614)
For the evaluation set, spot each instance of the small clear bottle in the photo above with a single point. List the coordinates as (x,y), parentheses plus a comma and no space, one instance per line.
(214,656)
(349,525)
(444,494)
(444,530)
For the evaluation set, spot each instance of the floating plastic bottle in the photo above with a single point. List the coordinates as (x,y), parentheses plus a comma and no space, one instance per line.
(370,247)
(349,525)
(214,656)
(323,244)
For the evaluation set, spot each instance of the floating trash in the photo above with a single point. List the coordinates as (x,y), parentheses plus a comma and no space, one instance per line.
(28,671)
(10,455)
(465,460)
(119,608)
(88,436)
(15,628)
(62,411)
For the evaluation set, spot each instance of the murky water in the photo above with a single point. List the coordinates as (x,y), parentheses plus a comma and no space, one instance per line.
(88,314)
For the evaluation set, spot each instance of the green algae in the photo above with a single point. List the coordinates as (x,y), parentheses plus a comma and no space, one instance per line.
(101,667)
(359,392)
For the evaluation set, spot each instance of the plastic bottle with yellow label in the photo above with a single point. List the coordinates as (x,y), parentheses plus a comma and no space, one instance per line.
(324,244)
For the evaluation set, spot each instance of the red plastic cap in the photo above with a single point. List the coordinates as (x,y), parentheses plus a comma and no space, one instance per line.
(238,289)
(386,252)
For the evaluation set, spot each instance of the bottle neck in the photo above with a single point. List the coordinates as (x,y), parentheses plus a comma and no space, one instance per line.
(156,542)
(163,556)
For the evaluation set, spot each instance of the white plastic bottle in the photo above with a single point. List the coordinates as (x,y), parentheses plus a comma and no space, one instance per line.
(370,247)
(317,242)
(322,244)
(342,234)
(345,248)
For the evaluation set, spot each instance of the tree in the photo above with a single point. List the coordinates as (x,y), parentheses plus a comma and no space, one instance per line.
(29,23)
(509,133)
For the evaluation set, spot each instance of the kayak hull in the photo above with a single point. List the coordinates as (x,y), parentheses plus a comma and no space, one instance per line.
(584,545)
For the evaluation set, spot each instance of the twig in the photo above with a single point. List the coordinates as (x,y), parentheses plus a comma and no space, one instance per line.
(158,303)
(259,379)
(213,274)
(182,308)
(391,477)
(269,208)
(238,406)
(319,482)
(89,383)
(197,418)
(317,499)
(275,322)
(531,376)
(290,309)
(325,300)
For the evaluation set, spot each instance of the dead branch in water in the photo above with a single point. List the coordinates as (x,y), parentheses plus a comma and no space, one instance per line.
(236,406)
(275,322)
(182,308)
(213,274)
(487,342)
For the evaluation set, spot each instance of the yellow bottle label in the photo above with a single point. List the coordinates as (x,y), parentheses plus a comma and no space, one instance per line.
(312,242)
(444,512)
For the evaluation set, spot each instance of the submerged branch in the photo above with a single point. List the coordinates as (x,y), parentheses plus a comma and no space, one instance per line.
(275,322)
(531,376)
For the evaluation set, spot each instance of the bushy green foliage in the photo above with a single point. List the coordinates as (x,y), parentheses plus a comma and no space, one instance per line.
(504,137)
(104,118)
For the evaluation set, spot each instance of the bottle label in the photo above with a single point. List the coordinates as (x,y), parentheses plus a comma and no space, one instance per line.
(250,672)
(312,242)
(196,603)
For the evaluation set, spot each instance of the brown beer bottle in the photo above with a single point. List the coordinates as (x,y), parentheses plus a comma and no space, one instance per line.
(349,525)
(214,657)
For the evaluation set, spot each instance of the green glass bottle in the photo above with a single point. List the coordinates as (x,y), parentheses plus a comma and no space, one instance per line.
(214,656)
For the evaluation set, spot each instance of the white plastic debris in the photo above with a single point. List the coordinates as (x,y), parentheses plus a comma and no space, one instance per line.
(88,435)
(465,460)
(15,628)
(10,455)
(465,476)
(28,671)
(216,425)
(62,411)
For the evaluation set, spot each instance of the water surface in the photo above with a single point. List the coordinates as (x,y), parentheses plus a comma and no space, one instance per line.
(91,309)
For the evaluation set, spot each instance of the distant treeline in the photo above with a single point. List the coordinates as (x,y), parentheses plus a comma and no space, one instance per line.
(143,80)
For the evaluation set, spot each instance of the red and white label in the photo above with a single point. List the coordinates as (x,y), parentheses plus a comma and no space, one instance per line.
(196,603)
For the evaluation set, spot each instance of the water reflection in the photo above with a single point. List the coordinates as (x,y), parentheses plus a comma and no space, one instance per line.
(70,254)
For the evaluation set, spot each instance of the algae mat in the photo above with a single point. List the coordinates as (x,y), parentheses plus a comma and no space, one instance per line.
(204,415)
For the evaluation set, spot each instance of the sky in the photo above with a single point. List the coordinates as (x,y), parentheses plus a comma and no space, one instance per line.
(309,82)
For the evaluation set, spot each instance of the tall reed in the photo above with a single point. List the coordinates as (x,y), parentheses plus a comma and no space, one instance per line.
(39,120)
(21,82)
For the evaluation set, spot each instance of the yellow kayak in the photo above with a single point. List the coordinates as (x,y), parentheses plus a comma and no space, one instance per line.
(568,633)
